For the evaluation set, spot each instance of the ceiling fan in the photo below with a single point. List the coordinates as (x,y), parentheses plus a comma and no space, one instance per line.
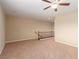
(55,4)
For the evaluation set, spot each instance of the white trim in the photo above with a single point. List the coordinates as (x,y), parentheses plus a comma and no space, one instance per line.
(18,40)
(67,43)
(2,49)
(63,42)
(22,40)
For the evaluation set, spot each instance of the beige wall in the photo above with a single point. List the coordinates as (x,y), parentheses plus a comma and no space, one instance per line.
(2,31)
(66,29)
(23,29)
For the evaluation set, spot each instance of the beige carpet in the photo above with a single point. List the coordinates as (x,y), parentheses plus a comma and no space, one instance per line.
(38,49)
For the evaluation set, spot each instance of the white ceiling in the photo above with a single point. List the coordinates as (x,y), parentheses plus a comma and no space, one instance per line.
(35,7)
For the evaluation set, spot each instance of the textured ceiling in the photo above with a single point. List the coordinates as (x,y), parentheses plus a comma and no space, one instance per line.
(35,7)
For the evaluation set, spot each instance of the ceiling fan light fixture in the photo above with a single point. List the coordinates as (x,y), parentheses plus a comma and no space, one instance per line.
(54,6)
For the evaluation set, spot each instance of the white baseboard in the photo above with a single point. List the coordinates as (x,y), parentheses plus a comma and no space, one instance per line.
(21,40)
(2,49)
(67,43)
(63,42)
(18,40)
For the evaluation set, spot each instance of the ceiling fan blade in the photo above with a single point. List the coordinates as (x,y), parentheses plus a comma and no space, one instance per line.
(46,7)
(55,10)
(64,4)
(47,1)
